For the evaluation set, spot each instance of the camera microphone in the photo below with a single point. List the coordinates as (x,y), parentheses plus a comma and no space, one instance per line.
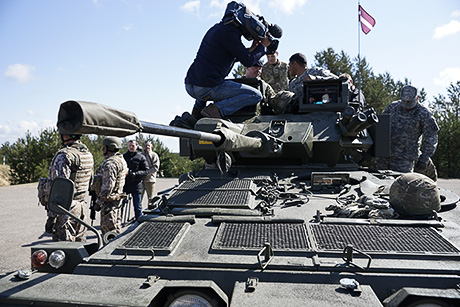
(275,30)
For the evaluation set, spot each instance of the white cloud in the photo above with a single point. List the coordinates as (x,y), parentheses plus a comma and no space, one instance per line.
(455,14)
(219,4)
(217,7)
(252,5)
(449,29)
(447,76)
(287,6)
(20,72)
(129,27)
(12,131)
(191,6)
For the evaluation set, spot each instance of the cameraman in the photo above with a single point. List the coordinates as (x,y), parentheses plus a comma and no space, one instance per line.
(220,48)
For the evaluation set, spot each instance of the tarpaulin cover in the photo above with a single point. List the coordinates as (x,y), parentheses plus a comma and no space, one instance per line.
(82,117)
(237,142)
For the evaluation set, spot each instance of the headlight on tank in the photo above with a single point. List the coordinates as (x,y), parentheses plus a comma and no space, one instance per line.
(190,300)
(57,259)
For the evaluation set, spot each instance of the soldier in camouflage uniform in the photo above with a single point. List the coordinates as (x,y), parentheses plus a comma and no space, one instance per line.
(113,171)
(356,97)
(75,162)
(298,68)
(276,101)
(275,72)
(409,122)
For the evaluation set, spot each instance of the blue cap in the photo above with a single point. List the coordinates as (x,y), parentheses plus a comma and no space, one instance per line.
(259,63)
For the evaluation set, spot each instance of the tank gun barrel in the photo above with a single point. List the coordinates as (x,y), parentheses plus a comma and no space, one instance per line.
(154,128)
(82,117)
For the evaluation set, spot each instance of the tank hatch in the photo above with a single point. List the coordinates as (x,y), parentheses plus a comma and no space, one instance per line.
(382,239)
(216,193)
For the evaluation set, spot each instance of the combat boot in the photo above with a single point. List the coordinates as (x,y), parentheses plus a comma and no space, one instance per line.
(211,111)
(185,121)
(196,113)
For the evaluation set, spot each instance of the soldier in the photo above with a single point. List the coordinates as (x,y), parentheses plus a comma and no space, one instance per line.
(275,72)
(356,98)
(298,68)
(153,162)
(113,171)
(409,122)
(277,101)
(75,162)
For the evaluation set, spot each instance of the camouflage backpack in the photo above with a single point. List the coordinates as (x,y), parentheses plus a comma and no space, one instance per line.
(44,187)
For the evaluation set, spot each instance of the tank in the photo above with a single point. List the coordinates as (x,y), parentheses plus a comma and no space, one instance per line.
(285,212)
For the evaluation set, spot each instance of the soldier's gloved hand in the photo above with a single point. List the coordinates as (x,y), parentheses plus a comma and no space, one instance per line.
(420,166)
(98,205)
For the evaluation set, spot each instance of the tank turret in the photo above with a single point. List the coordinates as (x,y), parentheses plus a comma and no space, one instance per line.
(321,131)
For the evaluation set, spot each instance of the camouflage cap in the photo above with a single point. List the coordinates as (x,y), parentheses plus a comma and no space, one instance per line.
(408,96)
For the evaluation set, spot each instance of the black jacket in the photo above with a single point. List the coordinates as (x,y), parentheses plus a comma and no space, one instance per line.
(220,48)
(138,168)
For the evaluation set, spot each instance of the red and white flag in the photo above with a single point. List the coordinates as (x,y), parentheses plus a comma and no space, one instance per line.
(366,20)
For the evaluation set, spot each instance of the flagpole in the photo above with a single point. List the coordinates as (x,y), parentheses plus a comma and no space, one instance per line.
(359,54)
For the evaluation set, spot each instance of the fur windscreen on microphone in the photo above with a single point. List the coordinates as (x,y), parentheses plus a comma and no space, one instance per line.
(275,30)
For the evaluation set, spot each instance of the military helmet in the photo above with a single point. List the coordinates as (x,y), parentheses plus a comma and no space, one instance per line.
(414,194)
(62,131)
(112,142)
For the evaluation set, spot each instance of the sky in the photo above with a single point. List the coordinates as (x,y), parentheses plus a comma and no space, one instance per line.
(134,54)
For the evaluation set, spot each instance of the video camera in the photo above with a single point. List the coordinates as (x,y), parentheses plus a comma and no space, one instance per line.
(252,26)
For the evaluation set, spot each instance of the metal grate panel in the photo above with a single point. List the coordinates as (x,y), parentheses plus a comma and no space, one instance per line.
(382,239)
(208,184)
(155,236)
(252,236)
(214,192)
(211,198)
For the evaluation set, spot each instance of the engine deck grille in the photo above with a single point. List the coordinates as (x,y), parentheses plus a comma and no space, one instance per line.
(222,184)
(381,239)
(210,198)
(253,236)
(215,192)
(158,236)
